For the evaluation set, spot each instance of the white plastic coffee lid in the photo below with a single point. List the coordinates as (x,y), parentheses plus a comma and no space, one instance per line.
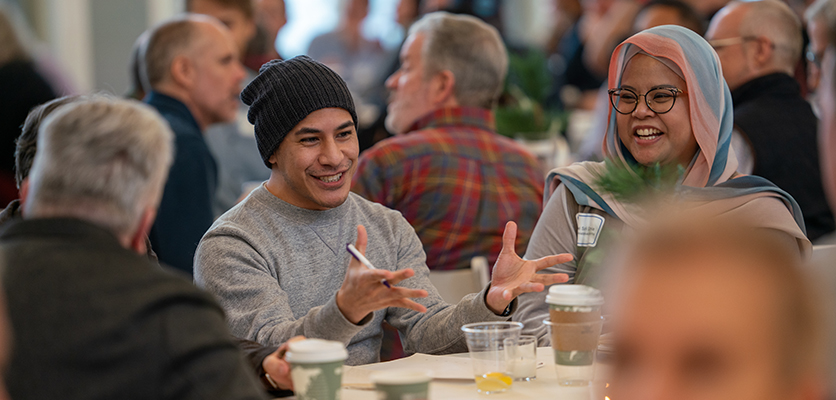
(316,351)
(400,377)
(574,295)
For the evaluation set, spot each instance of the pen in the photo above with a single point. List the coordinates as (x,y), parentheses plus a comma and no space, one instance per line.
(356,254)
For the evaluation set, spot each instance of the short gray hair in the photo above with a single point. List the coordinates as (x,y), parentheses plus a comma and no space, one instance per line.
(469,48)
(775,20)
(824,10)
(103,160)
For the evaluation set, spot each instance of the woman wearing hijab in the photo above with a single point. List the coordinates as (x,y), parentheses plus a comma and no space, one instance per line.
(671,107)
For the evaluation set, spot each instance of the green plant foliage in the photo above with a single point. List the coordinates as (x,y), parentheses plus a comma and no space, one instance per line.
(637,182)
(529,72)
(523,115)
(521,112)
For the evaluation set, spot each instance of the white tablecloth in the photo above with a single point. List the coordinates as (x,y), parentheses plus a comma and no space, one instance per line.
(453,379)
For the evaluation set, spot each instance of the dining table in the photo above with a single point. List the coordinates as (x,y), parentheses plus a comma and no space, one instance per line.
(452,378)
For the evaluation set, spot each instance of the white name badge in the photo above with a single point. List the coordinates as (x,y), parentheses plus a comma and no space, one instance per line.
(589,228)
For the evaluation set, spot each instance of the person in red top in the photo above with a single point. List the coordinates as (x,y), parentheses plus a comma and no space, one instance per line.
(452,176)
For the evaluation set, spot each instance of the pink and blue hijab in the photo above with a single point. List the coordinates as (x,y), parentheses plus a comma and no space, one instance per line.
(711,179)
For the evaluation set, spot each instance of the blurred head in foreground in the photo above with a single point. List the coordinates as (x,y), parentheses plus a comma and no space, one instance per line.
(5,345)
(823,41)
(710,309)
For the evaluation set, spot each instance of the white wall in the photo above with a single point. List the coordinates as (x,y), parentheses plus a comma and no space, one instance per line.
(115,25)
(527,21)
(90,40)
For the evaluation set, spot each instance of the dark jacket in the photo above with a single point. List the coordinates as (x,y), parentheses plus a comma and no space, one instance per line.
(93,320)
(185,211)
(21,89)
(254,352)
(14,211)
(781,127)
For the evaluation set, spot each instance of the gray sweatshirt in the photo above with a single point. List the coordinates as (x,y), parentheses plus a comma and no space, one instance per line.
(276,270)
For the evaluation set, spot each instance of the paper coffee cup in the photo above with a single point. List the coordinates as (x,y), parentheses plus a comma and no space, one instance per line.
(402,385)
(316,368)
(575,315)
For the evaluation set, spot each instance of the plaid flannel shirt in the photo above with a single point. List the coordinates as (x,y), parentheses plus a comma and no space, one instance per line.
(457,182)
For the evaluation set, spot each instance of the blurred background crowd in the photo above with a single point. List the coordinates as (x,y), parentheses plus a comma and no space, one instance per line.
(554,100)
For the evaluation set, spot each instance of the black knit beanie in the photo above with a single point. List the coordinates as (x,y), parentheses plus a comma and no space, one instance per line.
(285,92)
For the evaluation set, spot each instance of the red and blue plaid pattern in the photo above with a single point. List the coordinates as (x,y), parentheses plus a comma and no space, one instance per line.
(457,182)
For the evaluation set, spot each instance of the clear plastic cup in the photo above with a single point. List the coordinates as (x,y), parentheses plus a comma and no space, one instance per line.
(486,342)
(574,345)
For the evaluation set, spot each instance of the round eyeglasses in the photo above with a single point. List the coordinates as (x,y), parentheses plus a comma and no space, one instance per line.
(658,100)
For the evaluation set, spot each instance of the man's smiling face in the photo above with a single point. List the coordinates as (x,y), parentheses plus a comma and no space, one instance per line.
(314,164)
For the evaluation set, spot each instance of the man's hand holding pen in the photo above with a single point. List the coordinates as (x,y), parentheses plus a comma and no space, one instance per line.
(362,291)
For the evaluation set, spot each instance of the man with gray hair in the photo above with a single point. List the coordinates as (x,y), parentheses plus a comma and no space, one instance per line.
(192,65)
(87,308)
(454,179)
(759,45)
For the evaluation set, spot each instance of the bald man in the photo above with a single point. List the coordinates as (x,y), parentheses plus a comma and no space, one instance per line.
(193,68)
(759,44)
(233,144)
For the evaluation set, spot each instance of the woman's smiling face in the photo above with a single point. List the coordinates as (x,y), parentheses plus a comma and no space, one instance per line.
(650,137)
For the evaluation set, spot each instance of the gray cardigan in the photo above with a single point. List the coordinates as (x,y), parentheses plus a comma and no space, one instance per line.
(276,269)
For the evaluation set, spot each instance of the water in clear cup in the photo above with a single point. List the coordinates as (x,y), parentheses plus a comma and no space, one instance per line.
(522,358)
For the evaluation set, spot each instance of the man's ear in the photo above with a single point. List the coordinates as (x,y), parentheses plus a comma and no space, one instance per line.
(442,89)
(182,71)
(24,192)
(251,32)
(764,51)
(137,239)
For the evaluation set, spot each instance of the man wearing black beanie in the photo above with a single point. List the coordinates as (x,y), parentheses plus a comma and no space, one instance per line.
(278,263)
